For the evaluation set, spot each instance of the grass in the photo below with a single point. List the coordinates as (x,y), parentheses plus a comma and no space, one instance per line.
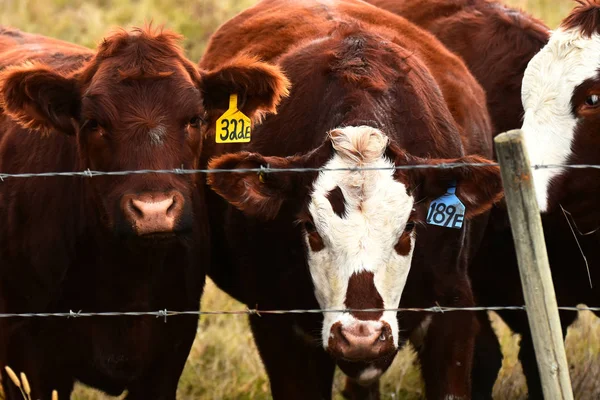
(224,363)
(87,21)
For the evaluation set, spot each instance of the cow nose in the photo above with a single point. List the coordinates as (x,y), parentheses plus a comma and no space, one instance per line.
(153,213)
(361,341)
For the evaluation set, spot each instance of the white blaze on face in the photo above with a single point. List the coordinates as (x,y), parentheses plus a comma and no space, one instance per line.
(157,134)
(548,85)
(377,208)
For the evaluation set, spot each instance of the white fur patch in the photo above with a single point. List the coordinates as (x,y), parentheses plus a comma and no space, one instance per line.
(369,375)
(548,84)
(157,134)
(377,209)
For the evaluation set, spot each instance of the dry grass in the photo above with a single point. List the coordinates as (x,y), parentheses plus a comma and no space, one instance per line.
(87,21)
(224,363)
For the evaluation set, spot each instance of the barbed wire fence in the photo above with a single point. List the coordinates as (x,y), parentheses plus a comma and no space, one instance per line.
(269,170)
(252,311)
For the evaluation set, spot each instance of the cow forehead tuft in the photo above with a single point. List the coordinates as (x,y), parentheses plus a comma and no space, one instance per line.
(584,18)
(157,134)
(359,144)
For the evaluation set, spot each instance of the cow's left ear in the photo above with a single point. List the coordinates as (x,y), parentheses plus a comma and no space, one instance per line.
(40,98)
(255,193)
(478,187)
(260,86)
(262,194)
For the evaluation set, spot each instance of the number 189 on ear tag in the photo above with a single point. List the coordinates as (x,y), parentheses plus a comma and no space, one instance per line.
(447,211)
(233,126)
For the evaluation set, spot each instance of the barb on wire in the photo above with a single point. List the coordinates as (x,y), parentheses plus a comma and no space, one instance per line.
(166,313)
(180,171)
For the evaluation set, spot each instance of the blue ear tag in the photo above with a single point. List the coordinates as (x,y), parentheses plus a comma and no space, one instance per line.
(447,211)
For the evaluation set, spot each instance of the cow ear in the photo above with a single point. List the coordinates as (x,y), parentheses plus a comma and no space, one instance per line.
(262,194)
(260,86)
(38,98)
(478,187)
(255,193)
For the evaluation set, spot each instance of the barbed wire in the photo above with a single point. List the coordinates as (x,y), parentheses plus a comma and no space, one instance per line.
(167,313)
(268,170)
(181,171)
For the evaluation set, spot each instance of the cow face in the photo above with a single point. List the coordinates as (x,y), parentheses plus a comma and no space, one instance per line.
(561,99)
(358,227)
(137,104)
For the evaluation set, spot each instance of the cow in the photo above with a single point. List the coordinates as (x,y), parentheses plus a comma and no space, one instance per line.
(361,96)
(125,243)
(561,105)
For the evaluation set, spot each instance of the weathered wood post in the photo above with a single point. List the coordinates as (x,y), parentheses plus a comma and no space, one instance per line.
(536,279)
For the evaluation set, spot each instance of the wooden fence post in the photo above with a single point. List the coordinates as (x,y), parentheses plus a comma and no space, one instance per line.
(536,279)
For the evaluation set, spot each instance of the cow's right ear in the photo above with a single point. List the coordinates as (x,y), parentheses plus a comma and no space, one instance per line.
(255,193)
(260,86)
(38,98)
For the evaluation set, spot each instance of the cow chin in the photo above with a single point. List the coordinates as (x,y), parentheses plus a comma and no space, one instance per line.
(366,373)
(355,340)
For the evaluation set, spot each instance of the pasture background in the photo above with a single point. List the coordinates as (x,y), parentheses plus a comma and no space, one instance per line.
(224,363)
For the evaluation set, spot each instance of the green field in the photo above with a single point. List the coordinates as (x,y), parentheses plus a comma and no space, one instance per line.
(224,363)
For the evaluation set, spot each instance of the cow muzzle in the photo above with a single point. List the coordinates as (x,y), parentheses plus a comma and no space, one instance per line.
(361,340)
(153,213)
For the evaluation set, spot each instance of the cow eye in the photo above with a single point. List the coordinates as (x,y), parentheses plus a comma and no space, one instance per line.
(309,227)
(92,124)
(196,122)
(409,227)
(592,101)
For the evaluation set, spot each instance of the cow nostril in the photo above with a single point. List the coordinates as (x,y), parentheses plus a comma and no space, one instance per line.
(173,206)
(382,337)
(135,209)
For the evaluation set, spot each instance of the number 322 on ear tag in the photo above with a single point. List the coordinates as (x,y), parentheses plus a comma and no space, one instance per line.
(233,126)
(447,211)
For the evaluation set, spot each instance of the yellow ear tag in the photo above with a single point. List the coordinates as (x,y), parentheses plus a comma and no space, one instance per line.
(261,177)
(233,126)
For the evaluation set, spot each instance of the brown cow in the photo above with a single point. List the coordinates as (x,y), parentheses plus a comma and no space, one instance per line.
(561,99)
(125,243)
(361,96)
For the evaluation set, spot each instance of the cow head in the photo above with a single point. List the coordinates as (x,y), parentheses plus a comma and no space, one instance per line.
(561,99)
(137,104)
(358,227)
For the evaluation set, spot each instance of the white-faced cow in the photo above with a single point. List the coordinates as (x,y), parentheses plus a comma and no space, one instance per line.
(561,99)
(561,102)
(361,96)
